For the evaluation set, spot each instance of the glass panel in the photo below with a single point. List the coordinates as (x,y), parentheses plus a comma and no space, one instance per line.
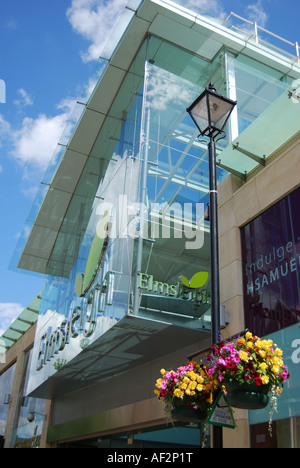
(174,237)
(71,320)
(257,87)
(30,415)
(6,381)
(271,267)
(270,246)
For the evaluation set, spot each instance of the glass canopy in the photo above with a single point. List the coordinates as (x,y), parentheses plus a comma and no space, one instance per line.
(20,325)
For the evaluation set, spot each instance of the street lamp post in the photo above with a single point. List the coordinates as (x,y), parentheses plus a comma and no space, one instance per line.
(210,112)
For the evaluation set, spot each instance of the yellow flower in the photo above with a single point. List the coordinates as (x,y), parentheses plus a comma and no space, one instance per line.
(178,393)
(267,343)
(265,379)
(186,380)
(262,353)
(249,345)
(278,352)
(259,344)
(193,385)
(158,383)
(278,362)
(157,392)
(192,375)
(162,371)
(241,341)
(249,336)
(200,388)
(244,356)
(200,379)
(183,386)
(275,369)
(263,366)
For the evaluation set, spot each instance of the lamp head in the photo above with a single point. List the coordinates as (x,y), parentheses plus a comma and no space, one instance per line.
(211,111)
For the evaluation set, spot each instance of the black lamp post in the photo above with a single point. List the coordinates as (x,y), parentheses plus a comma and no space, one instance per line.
(210,112)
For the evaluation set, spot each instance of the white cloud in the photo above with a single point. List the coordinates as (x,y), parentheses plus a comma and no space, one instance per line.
(25,100)
(5,130)
(207,7)
(256,12)
(34,143)
(9,311)
(162,92)
(94,20)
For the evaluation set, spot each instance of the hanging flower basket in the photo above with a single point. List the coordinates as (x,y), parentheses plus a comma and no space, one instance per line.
(246,395)
(249,370)
(186,410)
(186,392)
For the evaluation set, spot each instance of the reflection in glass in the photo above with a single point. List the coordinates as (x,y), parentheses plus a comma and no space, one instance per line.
(6,381)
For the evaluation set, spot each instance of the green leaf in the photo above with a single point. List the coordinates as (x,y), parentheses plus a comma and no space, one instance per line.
(199,280)
(185,281)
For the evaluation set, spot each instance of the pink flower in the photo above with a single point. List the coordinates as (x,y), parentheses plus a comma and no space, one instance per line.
(221,362)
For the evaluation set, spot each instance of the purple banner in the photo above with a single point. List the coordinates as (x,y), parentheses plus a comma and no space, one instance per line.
(271,267)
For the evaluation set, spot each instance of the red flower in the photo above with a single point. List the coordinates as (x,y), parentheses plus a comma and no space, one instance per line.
(230,365)
(163,393)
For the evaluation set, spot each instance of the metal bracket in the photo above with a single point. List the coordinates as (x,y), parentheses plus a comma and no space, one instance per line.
(259,159)
(238,174)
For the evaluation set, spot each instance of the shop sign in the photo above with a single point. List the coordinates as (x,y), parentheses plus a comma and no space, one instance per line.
(271,267)
(81,320)
(184,289)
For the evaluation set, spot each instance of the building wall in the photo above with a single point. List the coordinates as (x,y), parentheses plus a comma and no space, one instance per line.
(239,203)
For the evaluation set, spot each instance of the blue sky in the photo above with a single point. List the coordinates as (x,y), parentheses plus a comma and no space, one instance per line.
(48,51)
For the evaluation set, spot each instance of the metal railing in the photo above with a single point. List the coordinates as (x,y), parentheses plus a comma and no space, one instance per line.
(255,34)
